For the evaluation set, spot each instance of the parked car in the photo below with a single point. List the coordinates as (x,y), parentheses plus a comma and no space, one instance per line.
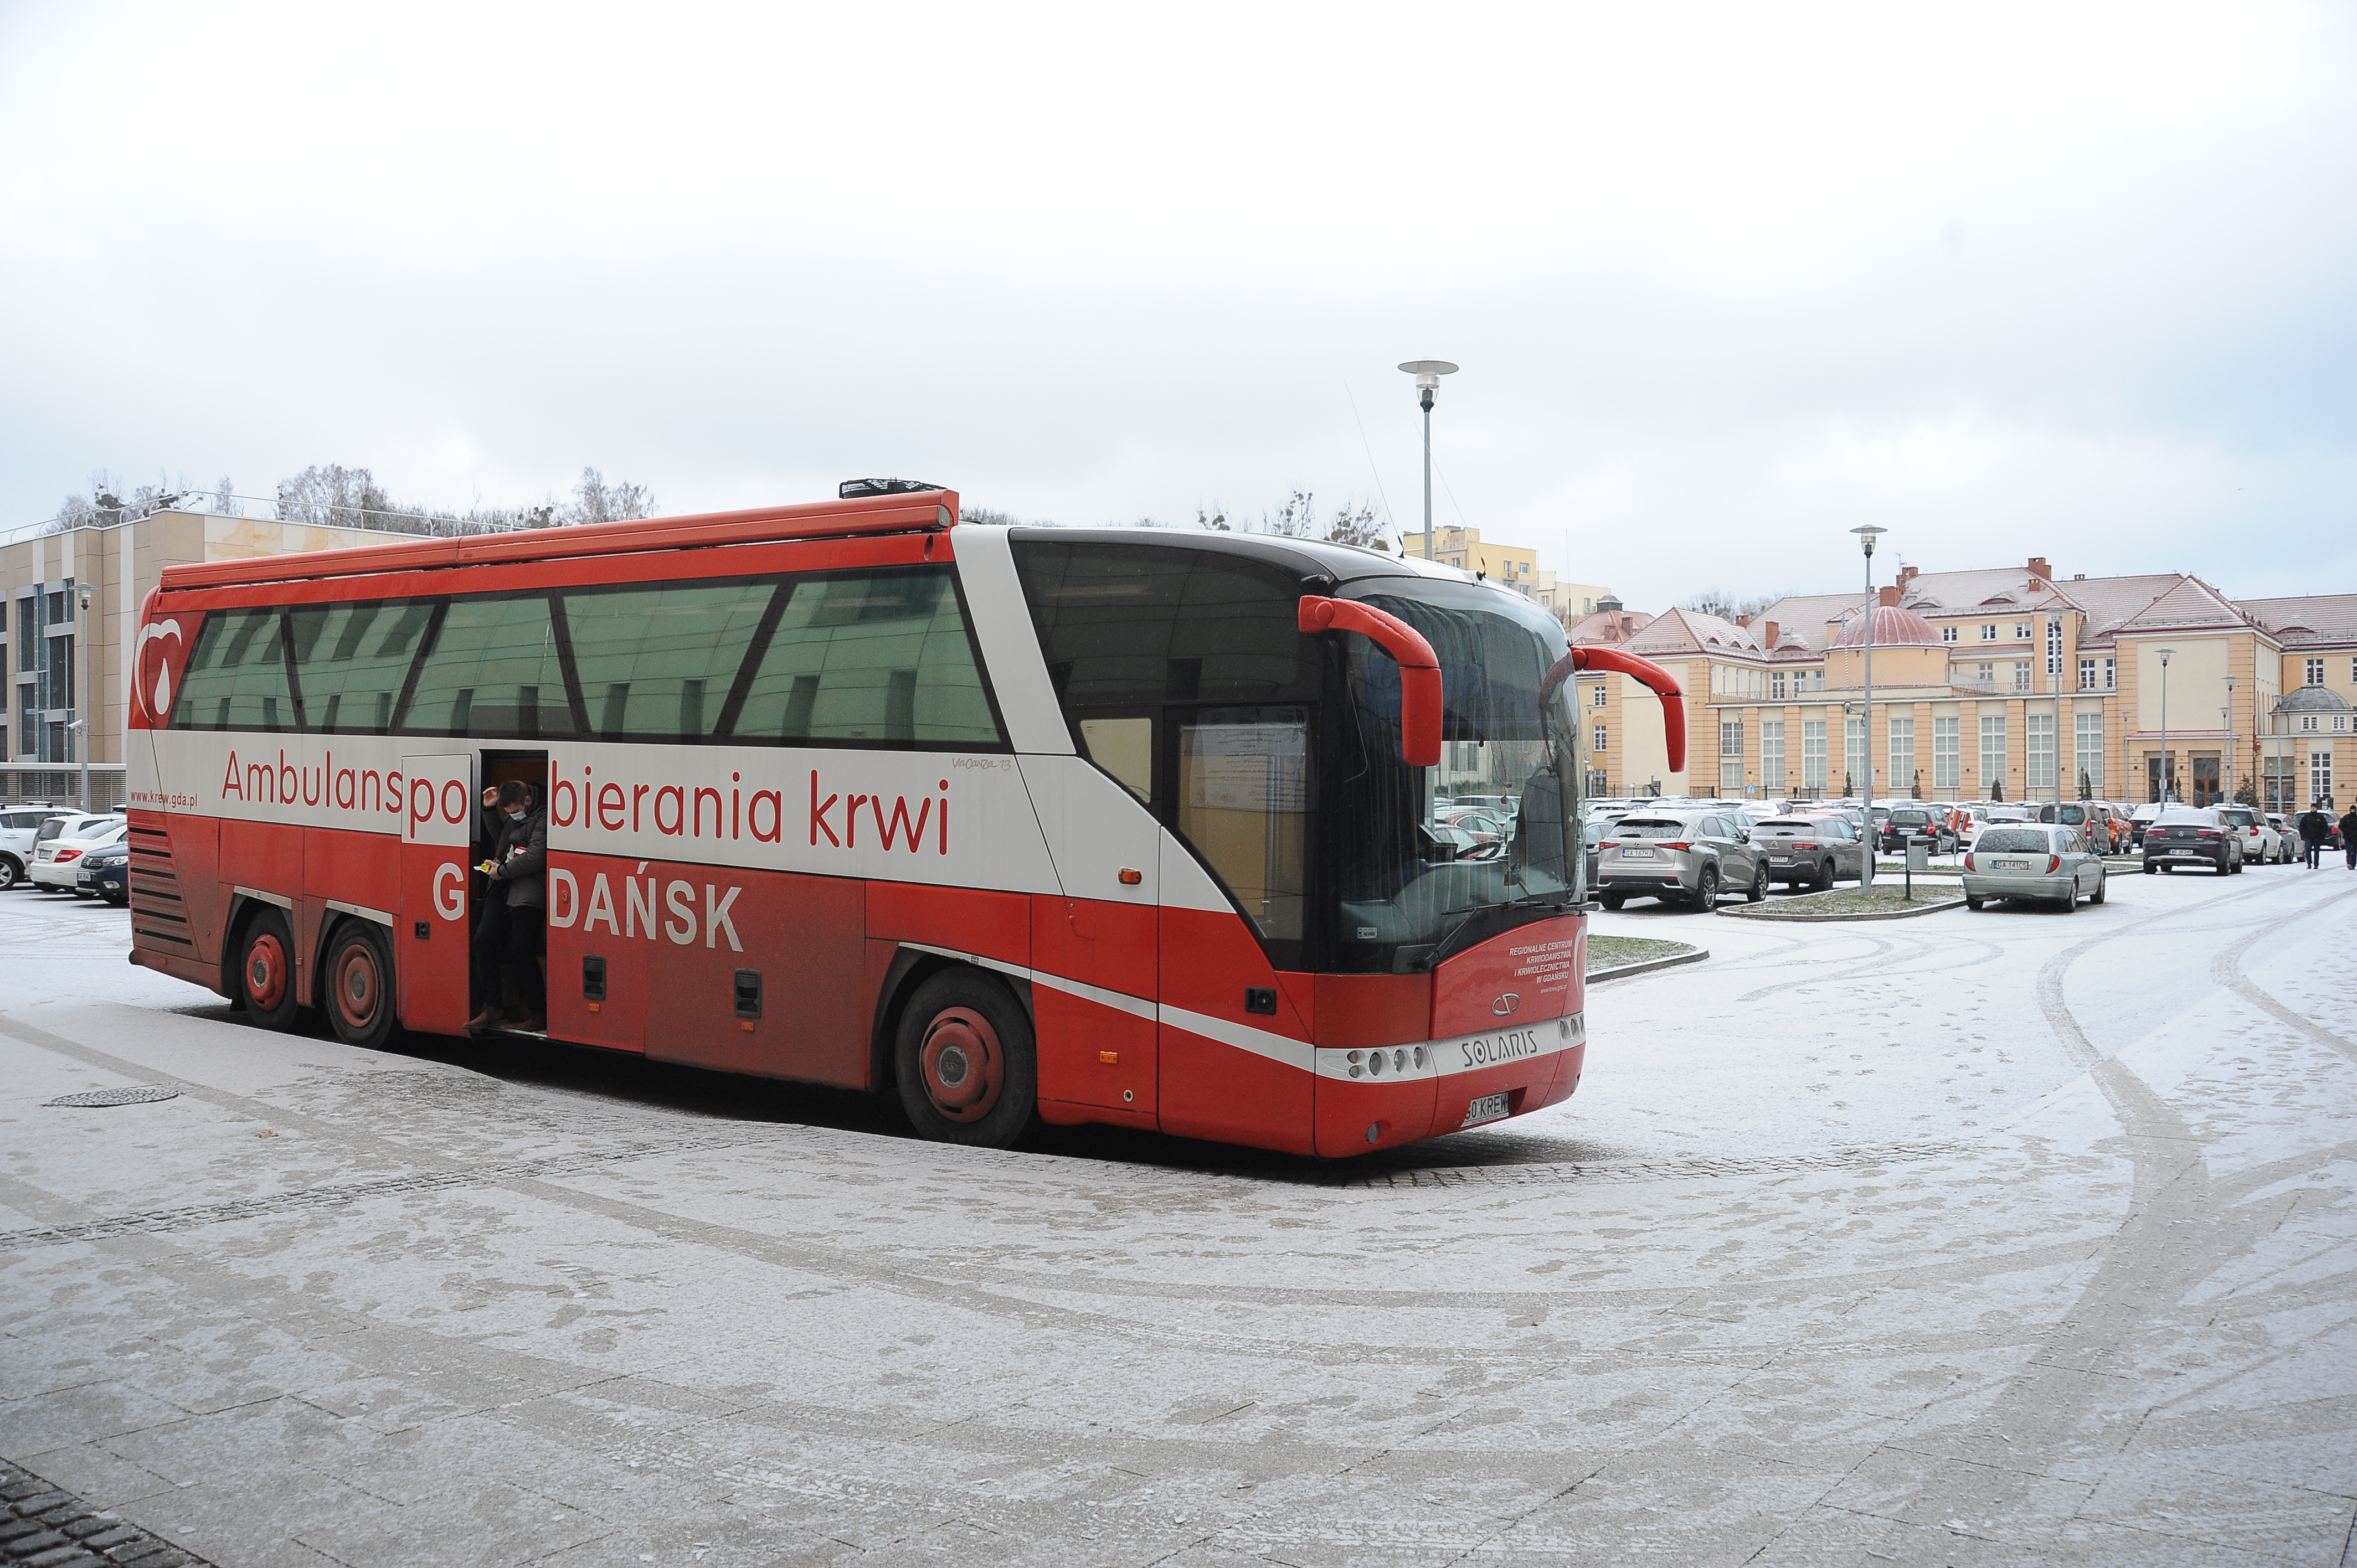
(2141,818)
(2192,835)
(2033,860)
(105,872)
(55,856)
(1816,849)
(20,826)
(2262,844)
(1907,823)
(1684,856)
(2088,816)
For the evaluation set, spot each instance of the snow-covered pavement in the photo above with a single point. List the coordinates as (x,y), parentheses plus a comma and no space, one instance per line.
(2008,1236)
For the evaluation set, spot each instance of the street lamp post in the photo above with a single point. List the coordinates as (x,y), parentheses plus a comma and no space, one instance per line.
(1427,374)
(1865,537)
(2229,727)
(2165,655)
(81,693)
(2054,665)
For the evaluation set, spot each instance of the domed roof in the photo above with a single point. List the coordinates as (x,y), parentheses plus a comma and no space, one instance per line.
(2312,700)
(1894,626)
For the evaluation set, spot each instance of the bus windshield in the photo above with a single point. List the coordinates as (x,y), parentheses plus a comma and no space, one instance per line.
(1427,860)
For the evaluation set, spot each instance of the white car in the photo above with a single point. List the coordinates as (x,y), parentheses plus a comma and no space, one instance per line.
(54,857)
(2262,846)
(19,827)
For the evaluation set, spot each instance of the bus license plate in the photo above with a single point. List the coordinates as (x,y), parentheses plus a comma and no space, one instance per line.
(1488,1108)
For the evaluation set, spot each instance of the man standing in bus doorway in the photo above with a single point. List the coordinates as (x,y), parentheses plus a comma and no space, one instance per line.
(515,911)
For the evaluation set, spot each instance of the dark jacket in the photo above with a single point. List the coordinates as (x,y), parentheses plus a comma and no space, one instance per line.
(521,852)
(2314,828)
(2349,828)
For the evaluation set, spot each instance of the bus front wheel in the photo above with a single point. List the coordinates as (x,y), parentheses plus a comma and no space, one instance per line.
(964,1061)
(359,985)
(266,970)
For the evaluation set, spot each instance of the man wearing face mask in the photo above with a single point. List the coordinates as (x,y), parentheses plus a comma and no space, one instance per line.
(515,911)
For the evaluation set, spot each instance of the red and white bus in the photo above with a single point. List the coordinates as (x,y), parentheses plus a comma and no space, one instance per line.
(1125,826)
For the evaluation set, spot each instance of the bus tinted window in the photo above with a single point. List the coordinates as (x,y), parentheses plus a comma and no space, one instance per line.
(353,660)
(872,657)
(236,679)
(491,669)
(657,664)
(1133,625)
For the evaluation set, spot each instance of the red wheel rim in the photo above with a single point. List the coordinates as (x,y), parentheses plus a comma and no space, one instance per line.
(358,985)
(962,1064)
(265,972)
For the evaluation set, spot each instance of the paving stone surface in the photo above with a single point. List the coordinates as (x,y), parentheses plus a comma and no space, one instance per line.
(1996,1237)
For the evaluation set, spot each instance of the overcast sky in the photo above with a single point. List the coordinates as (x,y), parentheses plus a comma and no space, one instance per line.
(2070,281)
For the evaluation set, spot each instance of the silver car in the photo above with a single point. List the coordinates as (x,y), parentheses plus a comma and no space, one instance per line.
(1679,857)
(2032,860)
(1817,850)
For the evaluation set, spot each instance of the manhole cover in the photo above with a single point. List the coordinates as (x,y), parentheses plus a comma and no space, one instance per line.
(134,1094)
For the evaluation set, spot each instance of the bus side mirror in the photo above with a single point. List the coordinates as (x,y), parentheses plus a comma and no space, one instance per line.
(1419,670)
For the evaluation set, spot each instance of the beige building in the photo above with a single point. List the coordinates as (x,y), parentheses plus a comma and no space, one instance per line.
(1511,564)
(66,661)
(2000,684)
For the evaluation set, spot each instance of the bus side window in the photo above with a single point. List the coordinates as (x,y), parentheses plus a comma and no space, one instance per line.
(493,668)
(872,656)
(658,663)
(353,660)
(1244,803)
(1125,748)
(236,677)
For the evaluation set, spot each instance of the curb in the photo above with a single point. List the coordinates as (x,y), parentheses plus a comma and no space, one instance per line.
(1931,909)
(1597,976)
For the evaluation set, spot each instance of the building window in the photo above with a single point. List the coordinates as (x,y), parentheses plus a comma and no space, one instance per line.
(1947,634)
(2040,753)
(2054,648)
(2316,672)
(1597,695)
(1901,772)
(1812,757)
(2090,757)
(2352,663)
(2308,722)
(2278,773)
(1599,739)
(1853,753)
(1772,756)
(2021,631)
(1992,753)
(2319,775)
(1776,685)
(2111,675)
(1730,757)
(2086,674)
(1947,754)
(1988,634)
(1985,674)
(2021,676)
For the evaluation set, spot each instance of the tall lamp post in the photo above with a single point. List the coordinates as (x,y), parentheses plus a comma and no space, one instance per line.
(2165,655)
(2054,664)
(2229,748)
(1865,537)
(1427,374)
(82,695)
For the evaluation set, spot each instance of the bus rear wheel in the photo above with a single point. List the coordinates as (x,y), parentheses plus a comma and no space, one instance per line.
(266,970)
(964,1061)
(359,985)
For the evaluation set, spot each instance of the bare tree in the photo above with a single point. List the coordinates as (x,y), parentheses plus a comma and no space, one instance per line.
(595,500)
(1726,605)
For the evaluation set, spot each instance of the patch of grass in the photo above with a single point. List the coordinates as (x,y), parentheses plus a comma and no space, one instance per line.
(1612,952)
(1884,899)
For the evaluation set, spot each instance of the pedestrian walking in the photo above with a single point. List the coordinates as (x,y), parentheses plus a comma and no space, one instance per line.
(2315,827)
(515,909)
(2348,837)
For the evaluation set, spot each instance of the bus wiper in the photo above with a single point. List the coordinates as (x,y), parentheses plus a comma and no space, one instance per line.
(1442,948)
